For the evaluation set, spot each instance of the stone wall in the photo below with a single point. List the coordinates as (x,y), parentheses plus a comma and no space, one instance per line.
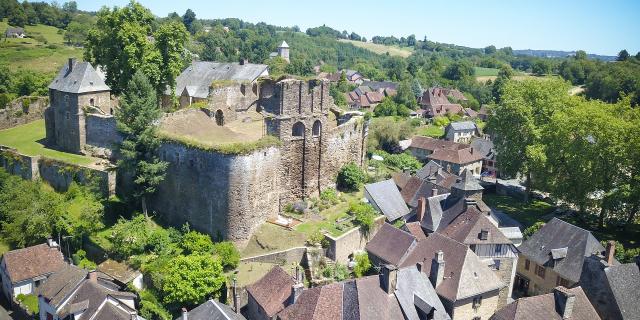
(340,248)
(19,164)
(222,195)
(102,133)
(22,110)
(463,309)
(289,256)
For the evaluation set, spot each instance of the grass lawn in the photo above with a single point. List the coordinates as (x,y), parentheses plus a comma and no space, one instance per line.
(382,49)
(46,55)
(480,71)
(26,138)
(30,301)
(525,213)
(431,131)
(270,237)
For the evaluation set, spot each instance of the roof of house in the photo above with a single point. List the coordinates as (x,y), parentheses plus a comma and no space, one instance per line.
(546,307)
(377,85)
(434,172)
(387,198)
(413,285)
(484,147)
(470,113)
(31,262)
(201,74)
(120,271)
(431,220)
(401,179)
(467,182)
(415,229)
(375,303)
(467,228)
(391,244)
(431,144)
(462,125)
(465,274)
(61,284)
(14,30)
(434,96)
(80,78)
(443,109)
(557,234)
(624,281)
(272,291)
(212,310)
(463,156)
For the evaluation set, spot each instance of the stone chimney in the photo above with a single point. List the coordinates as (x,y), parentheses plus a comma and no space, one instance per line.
(422,208)
(610,252)
(437,269)
(389,278)
(185,314)
(564,301)
(93,276)
(296,291)
(236,297)
(244,61)
(70,66)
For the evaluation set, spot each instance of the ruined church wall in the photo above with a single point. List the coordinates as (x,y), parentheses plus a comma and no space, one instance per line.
(222,195)
(345,143)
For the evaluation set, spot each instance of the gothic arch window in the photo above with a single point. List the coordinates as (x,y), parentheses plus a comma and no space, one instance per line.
(317,128)
(219,118)
(298,129)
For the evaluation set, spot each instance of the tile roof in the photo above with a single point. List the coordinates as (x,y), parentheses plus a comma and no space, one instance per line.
(470,113)
(557,234)
(31,262)
(431,144)
(387,198)
(272,291)
(212,310)
(463,156)
(200,75)
(401,179)
(415,229)
(443,109)
(434,96)
(375,303)
(81,78)
(391,244)
(545,307)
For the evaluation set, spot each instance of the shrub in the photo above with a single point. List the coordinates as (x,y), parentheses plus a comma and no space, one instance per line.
(190,280)
(402,161)
(338,272)
(150,308)
(441,121)
(196,242)
(528,232)
(329,196)
(364,215)
(317,238)
(228,254)
(363,265)
(129,237)
(80,259)
(350,177)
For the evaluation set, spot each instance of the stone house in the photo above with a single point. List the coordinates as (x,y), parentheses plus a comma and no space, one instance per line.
(74,293)
(562,303)
(282,51)
(461,131)
(458,161)
(24,270)
(421,147)
(436,102)
(429,181)
(390,245)
(271,294)
(554,256)
(485,146)
(14,32)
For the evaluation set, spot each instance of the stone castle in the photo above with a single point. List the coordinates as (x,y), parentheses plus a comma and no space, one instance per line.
(224,192)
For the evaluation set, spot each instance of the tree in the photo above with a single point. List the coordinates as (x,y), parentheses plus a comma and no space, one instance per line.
(504,75)
(580,55)
(364,215)
(363,265)
(130,237)
(228,254)
(196,242)
(416,88)
(541,67)
(350,177)
(188,18)
(385,134)
(17,17)
(458,70)
(170,41)
(528,232)
(406,95)
(490,49)
(623,55)
(136,121)
(190,280)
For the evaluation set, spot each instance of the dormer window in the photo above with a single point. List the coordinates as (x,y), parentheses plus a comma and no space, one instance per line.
(484,234)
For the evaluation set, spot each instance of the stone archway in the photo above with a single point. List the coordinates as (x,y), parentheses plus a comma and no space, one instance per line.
(219,117)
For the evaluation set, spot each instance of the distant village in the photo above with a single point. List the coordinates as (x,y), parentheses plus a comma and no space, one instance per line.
(434,249)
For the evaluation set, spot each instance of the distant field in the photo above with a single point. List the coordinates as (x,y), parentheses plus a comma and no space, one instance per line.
(43,51)
(483,72)
(382,49)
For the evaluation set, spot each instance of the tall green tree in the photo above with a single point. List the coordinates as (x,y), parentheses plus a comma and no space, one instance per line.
(623,55)
(170,41)
(188,19)
(192,279)
(136,121)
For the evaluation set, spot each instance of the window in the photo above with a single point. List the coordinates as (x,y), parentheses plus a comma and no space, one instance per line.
(477,301)
(219,118)
(496,264)
(473,247)
(540,271)
(67,115)
(527,264)
(92,102)
(298,129)
(498,248)
(317,127)
(561,282)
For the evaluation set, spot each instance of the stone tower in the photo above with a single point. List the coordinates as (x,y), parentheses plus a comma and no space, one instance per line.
(283,51)
(76,90)
(467,187)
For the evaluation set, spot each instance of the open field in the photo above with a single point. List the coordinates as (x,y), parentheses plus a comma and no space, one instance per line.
(431,131)
(44,50)
(28,140)
(483,72)
(381,49)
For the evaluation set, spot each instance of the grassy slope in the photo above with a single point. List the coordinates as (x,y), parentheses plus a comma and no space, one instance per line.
(382,49)
(26,139)
(31,54)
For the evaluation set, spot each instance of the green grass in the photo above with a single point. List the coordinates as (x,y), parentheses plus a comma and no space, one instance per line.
(30,301)
(270,238)
(330,216)
(481,72)
(525,213)
(431,131)
(27,139)
(382,49)
(45,56)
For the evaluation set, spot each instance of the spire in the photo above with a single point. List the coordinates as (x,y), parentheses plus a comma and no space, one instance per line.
(284,45)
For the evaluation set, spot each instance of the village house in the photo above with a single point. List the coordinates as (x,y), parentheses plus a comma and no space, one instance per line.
(421,147)
(390,245)
(458,161)
(210,310)
(429,181)
(436,102)
(386,199)
(554,256)
(271,294)
(353,76)
(461,131)
(364,98)
(485,147)
(470,113)
(394,294)
(612,288)
(121,273)
(483,113)
(561,304)
(14,32)
(24,270)
(74,293)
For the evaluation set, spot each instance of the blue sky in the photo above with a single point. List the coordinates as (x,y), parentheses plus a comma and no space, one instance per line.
(602,27)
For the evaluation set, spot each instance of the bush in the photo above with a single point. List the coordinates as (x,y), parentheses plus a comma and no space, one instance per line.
(623,255)
(364,215)
(363,265)
(402,161)
(80,259)
(386,133)
(317,238)
(351,177)
(339,272)
(329,196)
(441,121)
(228,254)
(150,308)
(196,242)
(130,237)
(528,232)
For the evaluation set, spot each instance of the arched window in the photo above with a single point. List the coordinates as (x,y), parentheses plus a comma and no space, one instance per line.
(220,118)
(92,102)
(317,128)
(298,129)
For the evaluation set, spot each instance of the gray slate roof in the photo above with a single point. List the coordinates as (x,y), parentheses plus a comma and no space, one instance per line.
(624,281)
(81,78)
(557,234)
(197,77)
(467,182)
(484,147)
(387,198)
(213,310)
(391,244)
(413,285)
(462,125)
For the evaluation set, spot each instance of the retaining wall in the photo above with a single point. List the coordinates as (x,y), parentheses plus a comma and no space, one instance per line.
(340,248)
(22,110)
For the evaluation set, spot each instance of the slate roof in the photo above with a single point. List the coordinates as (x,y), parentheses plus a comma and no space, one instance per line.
(431,144)
(95,294)
(462,156)
(272,291)
(401,179)
(31,262)
(433,172)
(61,284)
(197,77)
(377,85)
(467,227)
(415,229)
(283,45)
(467,182)
(212,310)
(557,234)
(462,125)
(544,307)
(470,112)
(375,303)
(465,274)
(14,31)
(624,281)
(484,147)
(413,285)
(81,78)
(432,218)
(387,198)
(391,244)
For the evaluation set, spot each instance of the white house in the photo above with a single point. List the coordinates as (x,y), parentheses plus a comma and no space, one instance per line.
(461,131)
(23,270)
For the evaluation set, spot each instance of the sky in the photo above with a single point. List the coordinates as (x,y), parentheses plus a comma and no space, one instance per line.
(601,27)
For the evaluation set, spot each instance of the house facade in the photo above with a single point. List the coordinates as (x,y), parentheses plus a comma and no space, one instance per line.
(461,132)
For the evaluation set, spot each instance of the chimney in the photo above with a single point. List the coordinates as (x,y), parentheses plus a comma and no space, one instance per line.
(421,209)
(244,61)
(93,276)
(236,297)
(437,269)
(610,252)
(296,291)
(71,62)
(389,278)
(434,192)
(564,301)
(185,314)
